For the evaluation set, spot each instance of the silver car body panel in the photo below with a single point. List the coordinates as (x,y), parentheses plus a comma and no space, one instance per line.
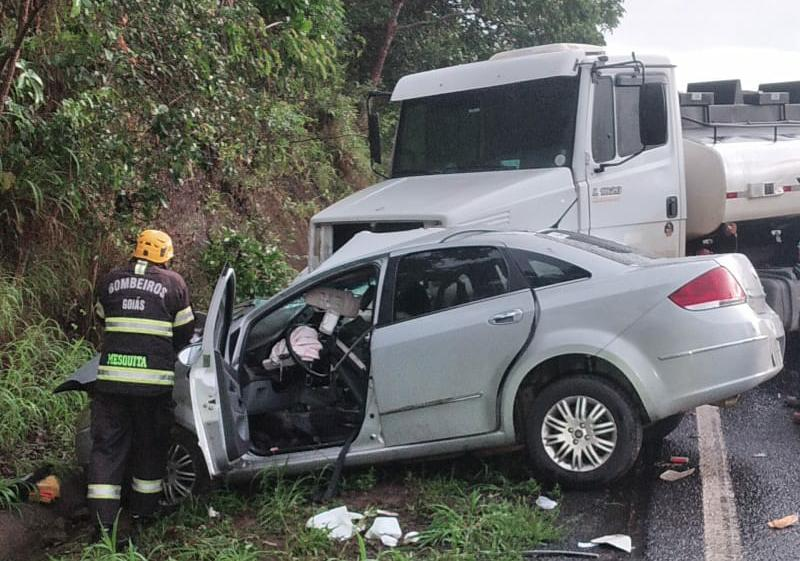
(673,358)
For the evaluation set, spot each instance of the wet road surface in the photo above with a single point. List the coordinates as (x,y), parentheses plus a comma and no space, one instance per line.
(707,516)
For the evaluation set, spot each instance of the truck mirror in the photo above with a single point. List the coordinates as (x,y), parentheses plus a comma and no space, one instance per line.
(373,121)
(653,114)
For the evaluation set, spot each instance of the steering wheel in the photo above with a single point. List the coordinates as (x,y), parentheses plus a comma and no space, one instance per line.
(287,337)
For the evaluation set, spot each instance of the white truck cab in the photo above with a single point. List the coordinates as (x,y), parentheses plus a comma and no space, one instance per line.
(565,135)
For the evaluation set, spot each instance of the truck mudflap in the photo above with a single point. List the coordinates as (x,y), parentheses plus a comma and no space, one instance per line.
(782,287)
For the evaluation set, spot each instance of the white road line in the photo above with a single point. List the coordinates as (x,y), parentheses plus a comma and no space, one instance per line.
(720,523)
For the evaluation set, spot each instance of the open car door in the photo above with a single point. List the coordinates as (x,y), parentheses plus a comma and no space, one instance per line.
(220,416)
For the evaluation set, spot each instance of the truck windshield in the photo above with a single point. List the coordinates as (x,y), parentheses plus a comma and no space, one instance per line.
(524,125)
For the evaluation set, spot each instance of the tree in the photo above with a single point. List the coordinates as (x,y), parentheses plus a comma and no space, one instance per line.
(24,13)
(395,37)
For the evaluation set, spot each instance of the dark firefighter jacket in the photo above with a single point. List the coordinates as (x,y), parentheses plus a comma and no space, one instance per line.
(148,318)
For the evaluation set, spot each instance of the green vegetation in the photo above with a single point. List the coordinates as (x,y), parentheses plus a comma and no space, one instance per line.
(261,269)
(227,123)
(462,509)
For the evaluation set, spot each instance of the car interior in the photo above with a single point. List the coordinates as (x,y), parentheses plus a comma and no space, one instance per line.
(305,366)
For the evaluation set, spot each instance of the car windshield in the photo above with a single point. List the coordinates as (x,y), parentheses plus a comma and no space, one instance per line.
(524,125)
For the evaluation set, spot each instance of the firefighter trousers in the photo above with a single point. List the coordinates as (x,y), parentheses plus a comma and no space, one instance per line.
(130,438)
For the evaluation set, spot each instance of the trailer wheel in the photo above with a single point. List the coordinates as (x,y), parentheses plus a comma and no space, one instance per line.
(582,431)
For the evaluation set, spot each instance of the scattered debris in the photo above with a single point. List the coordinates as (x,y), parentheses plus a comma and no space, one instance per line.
(559,553)
(212,513)
(673,475)
(587,545)
(680,460)
(386,529)
(46,490)
(411,537)
(784,522)
(620,541)
(338,522)
(546,503)
(382,512)
(760,455)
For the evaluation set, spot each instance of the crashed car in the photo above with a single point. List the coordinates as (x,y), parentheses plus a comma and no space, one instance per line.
(572,346)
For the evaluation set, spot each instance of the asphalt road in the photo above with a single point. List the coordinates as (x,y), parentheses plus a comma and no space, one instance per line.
(747,475)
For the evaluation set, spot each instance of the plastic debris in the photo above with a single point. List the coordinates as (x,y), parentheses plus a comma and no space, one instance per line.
(672,475)
(587,545)
(389,541)
(620,541)
(212,513)
(546,503)
(338,522)
(386,513)
(785,522)
(47,490)
(680,460)
(411,537)
(384,526)
(559,553)
(760,455)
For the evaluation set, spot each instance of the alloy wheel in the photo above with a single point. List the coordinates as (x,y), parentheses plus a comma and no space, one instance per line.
(181,474)
(579,433)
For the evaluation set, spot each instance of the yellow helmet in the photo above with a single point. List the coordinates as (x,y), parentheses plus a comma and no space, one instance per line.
(154,245)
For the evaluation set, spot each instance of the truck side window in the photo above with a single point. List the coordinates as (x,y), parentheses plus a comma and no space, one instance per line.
(627,109)
(603,136)
(432,281)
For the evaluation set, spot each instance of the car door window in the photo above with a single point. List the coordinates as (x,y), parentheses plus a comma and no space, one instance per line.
(543,270)
(432,281)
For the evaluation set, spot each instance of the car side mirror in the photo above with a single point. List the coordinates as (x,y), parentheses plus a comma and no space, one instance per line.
(189,355)
(653,114)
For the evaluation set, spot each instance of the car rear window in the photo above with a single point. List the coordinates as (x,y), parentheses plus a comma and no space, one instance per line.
(605,248)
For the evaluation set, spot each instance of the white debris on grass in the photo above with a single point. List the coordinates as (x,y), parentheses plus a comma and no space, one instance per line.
(338,522)
(546,503)
(385,526)
(213,513)
(411,537)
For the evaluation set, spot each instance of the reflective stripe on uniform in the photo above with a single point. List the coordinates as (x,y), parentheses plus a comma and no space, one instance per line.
(136,375)
(146,486)
(140,326)
(183,317)
(103,491)
(140,267)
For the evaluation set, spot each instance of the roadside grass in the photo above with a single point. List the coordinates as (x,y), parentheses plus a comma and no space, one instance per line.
(35,356)
(464,509)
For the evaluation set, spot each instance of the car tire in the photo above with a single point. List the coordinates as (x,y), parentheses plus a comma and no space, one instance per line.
(187,475)
(658,431)
(576,456)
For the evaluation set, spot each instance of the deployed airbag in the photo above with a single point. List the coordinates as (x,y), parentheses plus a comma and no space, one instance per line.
(305,342)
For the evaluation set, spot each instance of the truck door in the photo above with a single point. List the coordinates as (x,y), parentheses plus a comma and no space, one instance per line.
(634,176)
(220,416)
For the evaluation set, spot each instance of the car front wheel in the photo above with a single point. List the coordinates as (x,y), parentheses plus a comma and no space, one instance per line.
(582,431)
(186,469)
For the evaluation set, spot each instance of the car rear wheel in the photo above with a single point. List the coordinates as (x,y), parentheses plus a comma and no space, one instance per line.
(186,475)
(582,431)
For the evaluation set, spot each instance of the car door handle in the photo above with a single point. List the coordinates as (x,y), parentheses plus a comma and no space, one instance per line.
(512,316)
(672,207)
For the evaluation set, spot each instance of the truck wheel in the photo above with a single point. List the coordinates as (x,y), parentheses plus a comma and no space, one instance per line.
(658,431)
(187,475)
(582,431)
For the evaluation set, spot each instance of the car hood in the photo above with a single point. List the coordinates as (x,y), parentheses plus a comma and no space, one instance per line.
(492,199)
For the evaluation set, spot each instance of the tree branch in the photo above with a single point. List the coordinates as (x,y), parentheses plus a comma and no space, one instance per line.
(391,30)
(8,64)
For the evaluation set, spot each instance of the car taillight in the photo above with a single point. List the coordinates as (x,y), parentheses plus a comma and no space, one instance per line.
(714,289)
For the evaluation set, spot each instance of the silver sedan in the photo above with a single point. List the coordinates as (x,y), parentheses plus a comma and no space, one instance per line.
(575,347)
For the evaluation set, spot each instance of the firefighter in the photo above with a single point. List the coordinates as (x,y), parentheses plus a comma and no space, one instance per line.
(147,316)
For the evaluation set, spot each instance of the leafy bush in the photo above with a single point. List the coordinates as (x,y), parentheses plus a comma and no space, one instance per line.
(34,421)
(261,268)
